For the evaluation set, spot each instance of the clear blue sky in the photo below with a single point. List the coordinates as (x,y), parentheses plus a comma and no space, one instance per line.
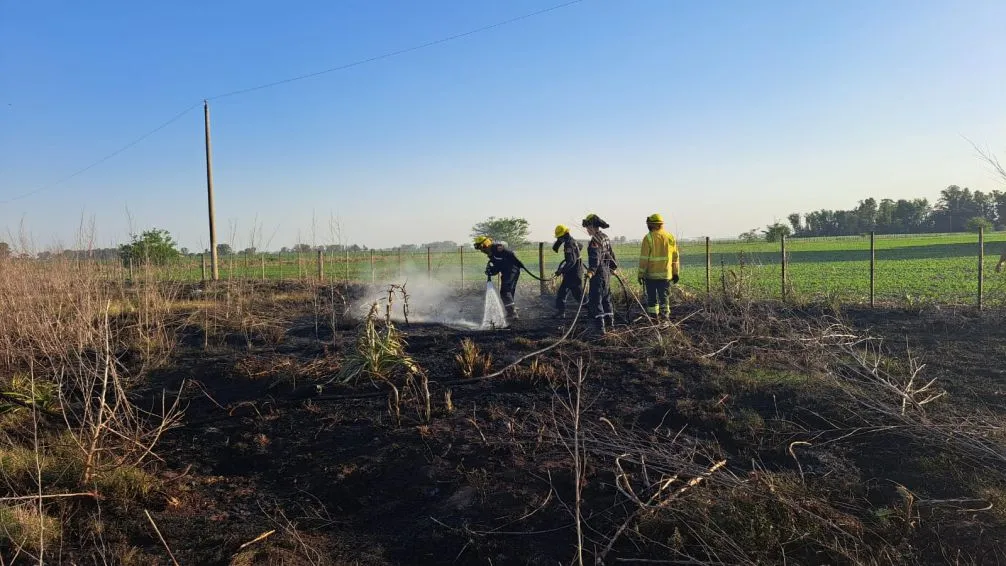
(722,115)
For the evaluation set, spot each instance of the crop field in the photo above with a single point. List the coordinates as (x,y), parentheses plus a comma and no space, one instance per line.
(909,270)
(277,422)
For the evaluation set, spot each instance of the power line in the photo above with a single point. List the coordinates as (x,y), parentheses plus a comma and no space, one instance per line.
(174,119)
(390,54)
(357,63)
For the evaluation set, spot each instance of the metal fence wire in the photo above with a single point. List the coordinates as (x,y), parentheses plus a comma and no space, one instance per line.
(906,270)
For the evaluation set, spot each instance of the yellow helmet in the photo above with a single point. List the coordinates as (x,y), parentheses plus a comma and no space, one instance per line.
(561,231)
(482,242)
(655,219)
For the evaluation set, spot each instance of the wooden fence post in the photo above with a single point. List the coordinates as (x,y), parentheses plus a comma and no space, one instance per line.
(782,255)
(541,267)
(873,269)
(429,264)
(709,269)
(321,265)
(981,266)
(279,257)
(263,267)
(202,271)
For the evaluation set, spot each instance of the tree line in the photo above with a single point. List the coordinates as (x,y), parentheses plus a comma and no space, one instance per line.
(957,210)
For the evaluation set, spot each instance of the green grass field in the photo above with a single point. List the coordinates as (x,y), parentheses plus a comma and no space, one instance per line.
(937,268)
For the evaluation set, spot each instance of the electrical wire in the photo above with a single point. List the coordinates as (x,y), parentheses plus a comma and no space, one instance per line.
(398,52)
(358,63)
(103,159)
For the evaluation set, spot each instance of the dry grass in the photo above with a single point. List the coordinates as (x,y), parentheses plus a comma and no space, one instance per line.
(24,529)
(471,362)
(74,342)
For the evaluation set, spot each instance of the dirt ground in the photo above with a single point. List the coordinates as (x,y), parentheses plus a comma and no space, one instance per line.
(272,447)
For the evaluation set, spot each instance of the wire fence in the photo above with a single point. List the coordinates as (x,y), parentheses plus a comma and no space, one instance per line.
(911,270)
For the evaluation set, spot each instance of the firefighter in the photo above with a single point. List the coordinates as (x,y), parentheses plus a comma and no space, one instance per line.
(600,265)
(659,265)
(506,264)
(571,269)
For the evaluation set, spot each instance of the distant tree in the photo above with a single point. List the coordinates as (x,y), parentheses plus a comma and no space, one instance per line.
(302,248)
(153,246)
(750,236)
(249,251)
(4,250)
(977,222)
(184,251)
(513,231)
(774,232)
(224,249)
(794,221)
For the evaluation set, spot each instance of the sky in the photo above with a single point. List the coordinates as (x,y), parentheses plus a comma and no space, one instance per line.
(721,115)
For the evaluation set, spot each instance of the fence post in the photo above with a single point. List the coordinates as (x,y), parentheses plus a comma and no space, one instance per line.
(709,269)
(373,272)
(429,264)
(873,269)
(981,266)
(263,267)
(461,255)
(202,272)
(279,257)
(321,265)
(541,267)
(782,255)
(300,266)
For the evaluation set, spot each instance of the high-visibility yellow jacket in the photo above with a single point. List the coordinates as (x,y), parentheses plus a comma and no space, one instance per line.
(658,258)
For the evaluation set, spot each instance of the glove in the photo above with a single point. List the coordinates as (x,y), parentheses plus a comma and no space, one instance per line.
(674,279)
(641,279)
(489,272)
(557,272)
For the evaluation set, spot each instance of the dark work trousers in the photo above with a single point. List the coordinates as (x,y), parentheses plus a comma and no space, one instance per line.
(508,286)
(599,299)
(658,297)
(570,284)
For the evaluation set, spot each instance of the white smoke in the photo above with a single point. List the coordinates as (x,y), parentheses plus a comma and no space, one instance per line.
(430,301)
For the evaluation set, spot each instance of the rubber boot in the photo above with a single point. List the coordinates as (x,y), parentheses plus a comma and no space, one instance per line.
(511,313)
(599,326)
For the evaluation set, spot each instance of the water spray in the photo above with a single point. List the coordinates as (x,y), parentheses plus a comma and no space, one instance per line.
(492,312)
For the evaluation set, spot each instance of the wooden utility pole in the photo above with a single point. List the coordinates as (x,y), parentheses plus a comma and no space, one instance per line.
(209,192)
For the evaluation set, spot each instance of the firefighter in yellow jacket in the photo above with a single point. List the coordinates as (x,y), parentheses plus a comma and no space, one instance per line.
(659,266)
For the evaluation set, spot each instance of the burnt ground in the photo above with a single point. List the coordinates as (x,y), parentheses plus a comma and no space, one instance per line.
(269,444)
